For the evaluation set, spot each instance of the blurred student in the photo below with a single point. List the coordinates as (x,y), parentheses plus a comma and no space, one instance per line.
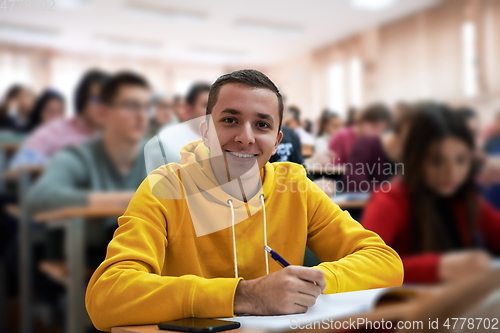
(433,215)
(372,121)
(173,138)
(179,104)
(163,114)
(49,106)
(491,190)
(376,158)
(104,171)
(291,119)
(202,253)
(329,124)
(15,109)
(51,137)
(289,149)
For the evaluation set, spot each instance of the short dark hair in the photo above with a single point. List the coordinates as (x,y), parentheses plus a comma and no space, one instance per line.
(83,89)
(295,112)
(249,77)
(195,91)
(111,88)
(376,112)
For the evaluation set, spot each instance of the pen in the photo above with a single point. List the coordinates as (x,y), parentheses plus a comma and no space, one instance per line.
(279,259)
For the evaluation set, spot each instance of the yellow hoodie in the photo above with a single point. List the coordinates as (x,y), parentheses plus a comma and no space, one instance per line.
(162,265)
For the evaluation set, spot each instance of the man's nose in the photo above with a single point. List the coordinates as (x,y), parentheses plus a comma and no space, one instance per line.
(245,135)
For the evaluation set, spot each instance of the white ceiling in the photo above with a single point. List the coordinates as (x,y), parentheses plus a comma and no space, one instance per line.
(215,31)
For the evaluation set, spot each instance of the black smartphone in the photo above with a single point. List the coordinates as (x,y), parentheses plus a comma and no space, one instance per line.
(198,325)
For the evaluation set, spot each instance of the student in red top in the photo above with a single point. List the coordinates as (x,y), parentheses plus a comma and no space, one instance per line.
(433,215)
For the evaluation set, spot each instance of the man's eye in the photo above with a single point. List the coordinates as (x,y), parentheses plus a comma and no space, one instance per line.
(229,120)
(263,124)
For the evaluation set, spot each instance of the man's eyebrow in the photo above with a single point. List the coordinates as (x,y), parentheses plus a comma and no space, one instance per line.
(237,113)
(265,116)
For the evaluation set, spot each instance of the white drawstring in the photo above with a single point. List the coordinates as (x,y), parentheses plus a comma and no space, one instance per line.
(235,257)
(265,232)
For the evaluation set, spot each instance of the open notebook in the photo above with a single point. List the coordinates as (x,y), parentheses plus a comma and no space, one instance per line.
(327,306)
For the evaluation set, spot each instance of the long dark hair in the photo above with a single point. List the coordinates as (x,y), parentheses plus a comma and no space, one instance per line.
(324,119)
(431,123)
(35,117)
(11,93)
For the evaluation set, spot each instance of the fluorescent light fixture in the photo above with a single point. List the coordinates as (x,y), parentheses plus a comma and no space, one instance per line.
(269,28)
(27,31)
(372,4)
(216,51)
(165,14)
(73,4)
(120,41)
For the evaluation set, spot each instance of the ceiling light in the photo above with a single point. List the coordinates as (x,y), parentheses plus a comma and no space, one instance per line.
(165,14)
(216,51)
(120,41)
(26,31)
(268,28)
(372,4)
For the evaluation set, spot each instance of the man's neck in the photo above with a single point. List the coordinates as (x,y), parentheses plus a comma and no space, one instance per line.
(123,153)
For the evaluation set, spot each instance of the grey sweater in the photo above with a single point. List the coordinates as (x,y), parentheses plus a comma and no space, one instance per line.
(76,171)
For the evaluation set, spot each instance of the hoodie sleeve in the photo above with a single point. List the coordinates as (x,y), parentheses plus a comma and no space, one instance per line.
(128,288)
(353,258)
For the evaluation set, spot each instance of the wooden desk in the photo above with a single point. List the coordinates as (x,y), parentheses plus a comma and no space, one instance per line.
(356,204)
(73,219)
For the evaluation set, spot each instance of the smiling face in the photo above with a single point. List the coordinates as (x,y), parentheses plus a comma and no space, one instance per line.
(246,123)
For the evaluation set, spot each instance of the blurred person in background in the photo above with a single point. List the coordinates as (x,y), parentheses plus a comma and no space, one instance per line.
(102,172)
(433,215)
(491,190)
(471,119)
(49,106)
(291,119)
(308,126)
(289,149)
(375,158)
(492,144)
(51,137)
(352,114)
(329,124)
(179,104)
(162,114)
(15,109)
(372,121)
(173,138)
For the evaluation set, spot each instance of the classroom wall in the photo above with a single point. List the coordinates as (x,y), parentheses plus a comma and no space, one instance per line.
(417,57)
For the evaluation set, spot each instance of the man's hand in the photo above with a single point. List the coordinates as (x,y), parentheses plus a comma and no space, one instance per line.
(457,265)
(290,290)
(110,199)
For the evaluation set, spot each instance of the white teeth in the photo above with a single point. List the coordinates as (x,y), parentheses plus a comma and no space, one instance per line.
(241,154)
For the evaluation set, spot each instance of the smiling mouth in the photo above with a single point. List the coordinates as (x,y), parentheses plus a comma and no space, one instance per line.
(242,155)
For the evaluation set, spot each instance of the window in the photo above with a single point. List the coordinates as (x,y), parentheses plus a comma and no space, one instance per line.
(356,82)
(469,59)
(335,86)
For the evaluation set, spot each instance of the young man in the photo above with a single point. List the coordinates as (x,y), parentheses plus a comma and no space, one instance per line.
(52,137)
(173,138)
(104,171)
(192,241)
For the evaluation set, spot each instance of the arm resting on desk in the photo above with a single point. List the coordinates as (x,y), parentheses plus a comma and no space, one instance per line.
(128,289)
(353,258)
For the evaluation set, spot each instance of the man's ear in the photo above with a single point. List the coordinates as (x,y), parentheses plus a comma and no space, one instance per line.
(204,133)
(279,137)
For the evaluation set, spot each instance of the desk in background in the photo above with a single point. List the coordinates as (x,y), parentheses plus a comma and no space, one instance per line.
(73,220)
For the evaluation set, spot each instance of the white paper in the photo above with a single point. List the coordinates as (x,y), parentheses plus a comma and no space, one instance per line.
(327,307)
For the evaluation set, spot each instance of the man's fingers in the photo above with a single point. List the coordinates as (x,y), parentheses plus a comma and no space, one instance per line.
(305,300)
(311,274)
